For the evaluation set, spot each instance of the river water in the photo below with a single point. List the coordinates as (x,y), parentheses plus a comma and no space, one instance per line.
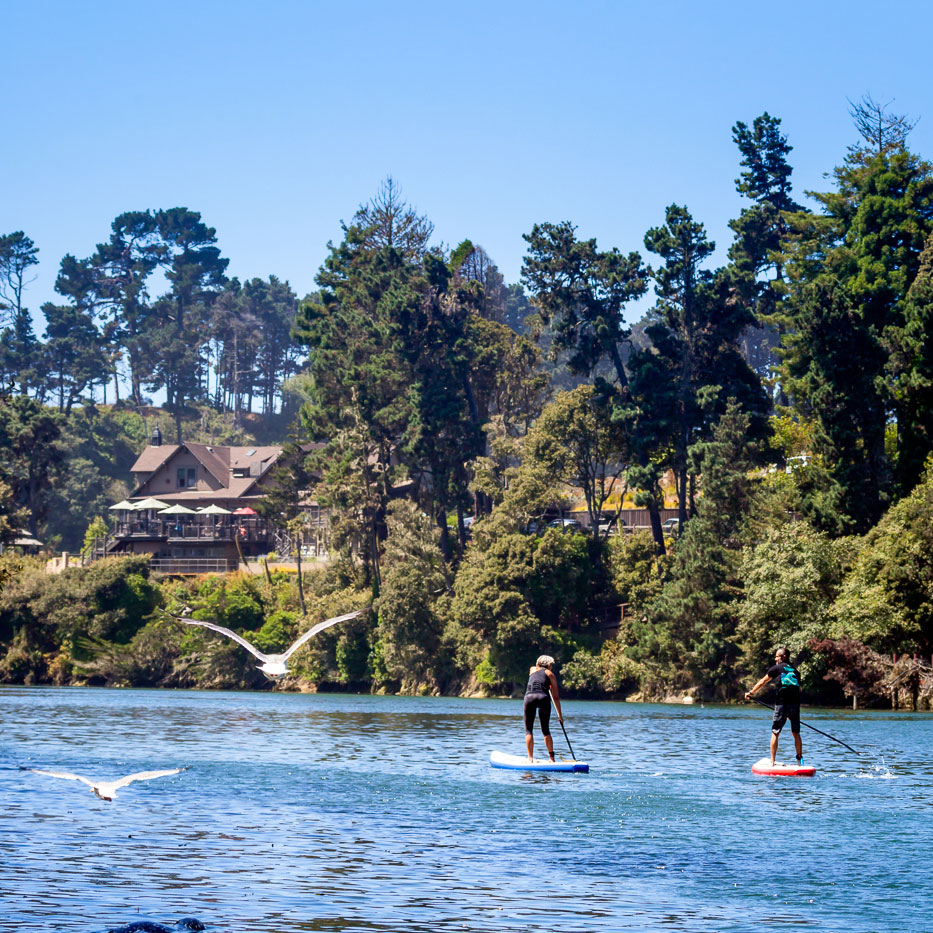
(363,813)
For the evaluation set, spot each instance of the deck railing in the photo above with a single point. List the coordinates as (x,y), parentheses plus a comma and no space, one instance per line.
(191,531)
(192,565)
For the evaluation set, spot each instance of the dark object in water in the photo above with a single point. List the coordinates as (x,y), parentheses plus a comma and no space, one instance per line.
(141,926)
(146,926)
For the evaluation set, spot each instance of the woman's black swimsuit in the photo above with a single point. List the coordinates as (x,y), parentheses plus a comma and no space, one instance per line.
(538,697)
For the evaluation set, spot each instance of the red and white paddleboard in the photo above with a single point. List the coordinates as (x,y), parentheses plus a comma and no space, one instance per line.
(779,769)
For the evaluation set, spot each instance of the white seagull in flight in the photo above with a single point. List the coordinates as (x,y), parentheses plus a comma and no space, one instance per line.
(273,665)
(107,790)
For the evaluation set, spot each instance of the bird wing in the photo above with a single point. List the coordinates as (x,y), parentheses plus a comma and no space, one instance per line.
(327,623)
(67,775)
(227,632)
(144,776)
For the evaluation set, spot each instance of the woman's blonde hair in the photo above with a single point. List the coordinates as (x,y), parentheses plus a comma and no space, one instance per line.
(544,661)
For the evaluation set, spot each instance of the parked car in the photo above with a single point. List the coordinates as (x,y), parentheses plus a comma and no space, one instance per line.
(670,526)
(612,527)
(565,524)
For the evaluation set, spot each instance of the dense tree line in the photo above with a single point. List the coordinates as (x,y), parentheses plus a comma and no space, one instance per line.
(789,384)
(783,396)
(151,310)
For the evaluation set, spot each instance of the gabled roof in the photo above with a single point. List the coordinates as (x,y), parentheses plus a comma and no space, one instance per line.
(218,461)
(213,460)
(153,457)
(245,456)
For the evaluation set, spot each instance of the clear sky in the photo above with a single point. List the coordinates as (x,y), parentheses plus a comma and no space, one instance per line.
(276,120)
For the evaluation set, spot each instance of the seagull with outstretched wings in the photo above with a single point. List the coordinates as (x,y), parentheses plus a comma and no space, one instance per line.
(274,666)
(107,790)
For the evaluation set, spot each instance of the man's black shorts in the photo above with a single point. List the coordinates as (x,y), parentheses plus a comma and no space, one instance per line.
(783,712)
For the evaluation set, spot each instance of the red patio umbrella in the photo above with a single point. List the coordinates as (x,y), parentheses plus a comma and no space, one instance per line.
(245,510)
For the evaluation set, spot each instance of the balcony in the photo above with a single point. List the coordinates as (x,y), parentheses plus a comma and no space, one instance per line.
(188,531)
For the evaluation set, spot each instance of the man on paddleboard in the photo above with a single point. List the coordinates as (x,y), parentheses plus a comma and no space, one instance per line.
(542,685)
(786,678)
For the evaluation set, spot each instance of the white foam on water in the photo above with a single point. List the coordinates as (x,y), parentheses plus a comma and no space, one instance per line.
(877,772)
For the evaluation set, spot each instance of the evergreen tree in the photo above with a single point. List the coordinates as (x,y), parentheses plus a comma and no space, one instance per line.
(410,628)
(910,375)
(584,293)
(517,308)
(827,358)
(388,220)
(694,330)
(760,231)
(19,350)
(691,626)
(471,263)
(30,454)
(11,520)
(356,385)
(274,306)
(177,340)
(115,282)
(854,265)
(445,432)
(73,354)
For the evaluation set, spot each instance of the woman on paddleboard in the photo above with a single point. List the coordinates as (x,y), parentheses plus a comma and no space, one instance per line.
(786,678)
(542,685)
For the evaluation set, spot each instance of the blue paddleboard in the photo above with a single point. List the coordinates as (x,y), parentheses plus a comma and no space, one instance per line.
(521,763)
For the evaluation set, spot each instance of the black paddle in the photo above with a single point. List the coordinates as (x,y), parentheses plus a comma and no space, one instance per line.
(572,755)
(821,732)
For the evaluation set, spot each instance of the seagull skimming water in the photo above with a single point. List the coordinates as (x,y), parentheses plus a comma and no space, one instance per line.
(273,665)
(107,790)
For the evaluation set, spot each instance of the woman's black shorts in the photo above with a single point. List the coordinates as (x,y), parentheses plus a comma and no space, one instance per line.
(542,703)
(783,712)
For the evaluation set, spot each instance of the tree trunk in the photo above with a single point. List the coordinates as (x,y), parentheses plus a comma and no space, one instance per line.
(657,531)
(619,367)
(441,518)
(301,589)
(682,496)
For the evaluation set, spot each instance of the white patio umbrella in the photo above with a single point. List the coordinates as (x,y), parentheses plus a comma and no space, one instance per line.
(124,506)
(213,510)
(150,503)
(177,509)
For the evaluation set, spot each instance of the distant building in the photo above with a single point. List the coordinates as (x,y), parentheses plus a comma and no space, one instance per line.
(213,491)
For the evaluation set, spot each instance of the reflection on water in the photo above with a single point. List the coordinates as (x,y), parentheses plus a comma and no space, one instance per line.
(328,812)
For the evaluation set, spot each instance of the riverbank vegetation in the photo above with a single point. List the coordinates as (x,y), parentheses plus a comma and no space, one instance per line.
(783,402)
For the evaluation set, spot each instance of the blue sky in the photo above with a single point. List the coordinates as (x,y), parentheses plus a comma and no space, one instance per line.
(277,120)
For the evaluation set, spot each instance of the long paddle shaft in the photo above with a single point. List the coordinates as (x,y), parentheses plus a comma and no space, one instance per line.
(572,755)
(802,723)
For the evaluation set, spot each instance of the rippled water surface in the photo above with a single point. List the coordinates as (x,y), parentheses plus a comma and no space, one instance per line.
(360,813)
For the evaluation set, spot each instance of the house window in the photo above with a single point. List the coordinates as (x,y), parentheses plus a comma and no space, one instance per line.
(185,477)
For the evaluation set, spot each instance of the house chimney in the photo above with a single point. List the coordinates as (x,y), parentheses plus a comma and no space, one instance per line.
(156,437)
